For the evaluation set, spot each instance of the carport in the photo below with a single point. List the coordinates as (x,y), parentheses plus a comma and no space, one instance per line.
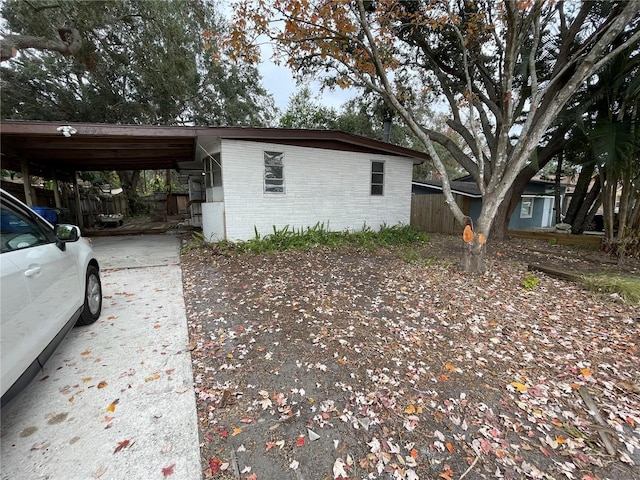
(56,151)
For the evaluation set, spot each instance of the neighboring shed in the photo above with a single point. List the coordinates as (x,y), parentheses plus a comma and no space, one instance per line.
(241,180)
(535,209)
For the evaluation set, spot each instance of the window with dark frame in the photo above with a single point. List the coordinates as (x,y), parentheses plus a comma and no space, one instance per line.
(377,178)
(273,172)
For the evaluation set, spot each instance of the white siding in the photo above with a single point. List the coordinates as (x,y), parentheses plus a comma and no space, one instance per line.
(326,186)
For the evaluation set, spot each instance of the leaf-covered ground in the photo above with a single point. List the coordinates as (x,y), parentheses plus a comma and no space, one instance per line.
(344,364)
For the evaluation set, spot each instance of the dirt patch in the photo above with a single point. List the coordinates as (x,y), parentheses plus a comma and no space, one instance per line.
(394,364)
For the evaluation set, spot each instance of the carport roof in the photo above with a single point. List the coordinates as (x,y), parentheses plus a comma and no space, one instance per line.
(96,147)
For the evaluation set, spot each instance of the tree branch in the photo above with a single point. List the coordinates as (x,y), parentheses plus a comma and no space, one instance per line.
(41,8)
(406,116)
(455,151)
(69,43)
(472,105)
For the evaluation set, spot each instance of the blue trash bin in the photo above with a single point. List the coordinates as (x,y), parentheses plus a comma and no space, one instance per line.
(48,213)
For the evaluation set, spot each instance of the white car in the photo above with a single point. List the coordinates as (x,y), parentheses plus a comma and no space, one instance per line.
(50,281)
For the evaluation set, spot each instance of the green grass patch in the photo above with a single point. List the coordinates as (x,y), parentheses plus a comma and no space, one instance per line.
(414,256)
(530,281)
(288,238)
(627,288)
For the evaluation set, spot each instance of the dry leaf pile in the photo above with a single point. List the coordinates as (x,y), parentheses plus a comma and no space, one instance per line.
(352,365)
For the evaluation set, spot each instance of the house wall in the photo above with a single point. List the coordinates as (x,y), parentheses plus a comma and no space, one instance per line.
(543,215)
(321,186)
(475,209)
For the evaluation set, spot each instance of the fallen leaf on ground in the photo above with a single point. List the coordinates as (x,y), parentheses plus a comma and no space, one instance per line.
(214,464)
(112,405)
(166,471)
(101,470)
(122,445)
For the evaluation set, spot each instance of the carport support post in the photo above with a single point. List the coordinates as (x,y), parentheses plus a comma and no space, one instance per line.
(56,192)
(26,181)
(76,188)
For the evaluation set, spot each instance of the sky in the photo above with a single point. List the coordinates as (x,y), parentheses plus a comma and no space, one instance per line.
(279,82)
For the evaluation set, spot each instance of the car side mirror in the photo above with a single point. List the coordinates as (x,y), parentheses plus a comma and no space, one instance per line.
(66,233)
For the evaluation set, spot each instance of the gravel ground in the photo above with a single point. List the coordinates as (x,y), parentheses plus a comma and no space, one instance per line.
(393,364)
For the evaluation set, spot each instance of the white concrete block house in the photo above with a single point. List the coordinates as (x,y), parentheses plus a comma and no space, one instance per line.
(300,178)
(241,180)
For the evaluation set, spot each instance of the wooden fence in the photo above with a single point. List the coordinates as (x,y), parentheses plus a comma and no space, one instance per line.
(42,196)
(93,205)
(430,213)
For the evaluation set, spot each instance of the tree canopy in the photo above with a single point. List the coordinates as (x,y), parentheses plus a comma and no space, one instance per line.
(504,70)
(304,112)
(134,61)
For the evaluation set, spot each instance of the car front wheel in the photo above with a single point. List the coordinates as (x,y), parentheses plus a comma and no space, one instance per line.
(92,297)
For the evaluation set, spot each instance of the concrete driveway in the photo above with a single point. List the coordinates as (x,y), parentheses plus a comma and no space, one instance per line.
(116,399)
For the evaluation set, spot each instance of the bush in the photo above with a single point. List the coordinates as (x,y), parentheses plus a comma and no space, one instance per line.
(288,238)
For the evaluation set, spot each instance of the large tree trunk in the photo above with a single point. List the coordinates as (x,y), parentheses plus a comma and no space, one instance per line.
(623,211)
(634,218)
(589,205)
(579,193)
(473,259)
(588,221)
(129,180)
(556,190)
(500,227)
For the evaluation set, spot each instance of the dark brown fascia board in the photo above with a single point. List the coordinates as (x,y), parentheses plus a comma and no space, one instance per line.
(23,127)
(305,137)
(40,128)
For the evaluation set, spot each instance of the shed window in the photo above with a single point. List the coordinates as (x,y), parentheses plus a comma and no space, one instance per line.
(273,172)
(377,178)
(526,207)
